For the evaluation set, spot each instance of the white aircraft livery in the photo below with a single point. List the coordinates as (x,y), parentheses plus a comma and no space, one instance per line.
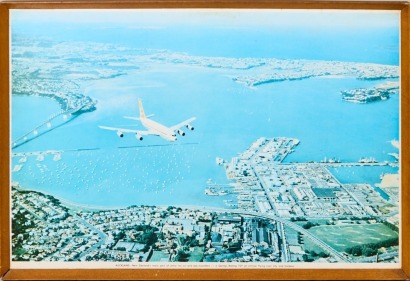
(153,128)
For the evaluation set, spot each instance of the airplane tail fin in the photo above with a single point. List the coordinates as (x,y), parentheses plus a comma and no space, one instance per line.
(142,113)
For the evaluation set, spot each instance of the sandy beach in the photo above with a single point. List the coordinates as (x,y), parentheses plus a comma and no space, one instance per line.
(390,181)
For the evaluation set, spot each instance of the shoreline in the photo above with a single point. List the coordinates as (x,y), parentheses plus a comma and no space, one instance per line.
(395,143)
(390,181)
(90,208)
(70,204)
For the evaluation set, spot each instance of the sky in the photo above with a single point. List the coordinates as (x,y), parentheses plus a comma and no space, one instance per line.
(228,18)
(345,35)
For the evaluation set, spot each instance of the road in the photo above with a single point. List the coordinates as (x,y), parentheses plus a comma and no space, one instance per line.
(381,257)
(284,244)
(337,255)
(102,236)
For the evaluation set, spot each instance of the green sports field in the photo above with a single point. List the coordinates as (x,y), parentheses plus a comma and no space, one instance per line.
(158,256)
(341,237)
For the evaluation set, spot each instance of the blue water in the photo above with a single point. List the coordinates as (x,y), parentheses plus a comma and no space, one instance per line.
(31,110)
(363,174)
(124,171)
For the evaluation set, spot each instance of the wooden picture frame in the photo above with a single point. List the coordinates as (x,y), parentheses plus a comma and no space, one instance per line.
(183,273)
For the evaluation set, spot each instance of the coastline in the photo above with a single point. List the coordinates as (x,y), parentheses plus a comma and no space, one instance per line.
(395,143)
(390,181)
(92,208)
(70,204)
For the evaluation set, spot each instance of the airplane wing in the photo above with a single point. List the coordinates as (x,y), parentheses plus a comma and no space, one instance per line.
(132,118)
(182,124)
(137,118)
(124,130)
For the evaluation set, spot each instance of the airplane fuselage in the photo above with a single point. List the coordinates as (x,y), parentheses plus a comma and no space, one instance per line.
(159,129)
(152,127)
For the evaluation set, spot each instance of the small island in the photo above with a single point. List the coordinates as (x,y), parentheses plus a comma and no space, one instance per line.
(379,93)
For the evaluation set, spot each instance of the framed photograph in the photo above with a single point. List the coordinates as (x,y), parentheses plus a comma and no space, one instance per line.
(194,140)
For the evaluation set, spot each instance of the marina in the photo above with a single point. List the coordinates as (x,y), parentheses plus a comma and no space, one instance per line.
(214,189)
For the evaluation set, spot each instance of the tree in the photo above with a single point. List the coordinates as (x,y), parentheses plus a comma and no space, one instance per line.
(181,256)
(357,250)
(323,255)
(120,235)
(149,237)
(391,226)
(146,248)
(308,225)
(194,243)
(371,248)
(367,251)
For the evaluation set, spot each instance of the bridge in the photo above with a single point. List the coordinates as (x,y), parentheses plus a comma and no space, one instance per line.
(34,133)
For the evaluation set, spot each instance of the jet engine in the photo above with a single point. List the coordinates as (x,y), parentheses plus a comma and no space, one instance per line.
(120,134)
(190,127)
(182,133)
(139,137)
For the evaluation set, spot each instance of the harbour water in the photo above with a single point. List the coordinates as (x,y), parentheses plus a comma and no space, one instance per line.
(124,171)
(99,168)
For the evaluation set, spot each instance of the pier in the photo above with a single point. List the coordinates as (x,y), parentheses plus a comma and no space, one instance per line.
(215,189)
(349,164)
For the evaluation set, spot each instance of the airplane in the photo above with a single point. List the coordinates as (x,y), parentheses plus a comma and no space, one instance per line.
(153,128)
